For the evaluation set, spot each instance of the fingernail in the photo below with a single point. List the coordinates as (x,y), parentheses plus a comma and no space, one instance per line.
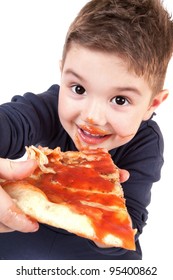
(35,226)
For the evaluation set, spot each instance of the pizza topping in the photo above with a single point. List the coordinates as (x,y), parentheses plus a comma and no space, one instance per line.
(86,183)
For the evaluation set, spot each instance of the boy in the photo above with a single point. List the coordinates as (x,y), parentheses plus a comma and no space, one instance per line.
(112,74)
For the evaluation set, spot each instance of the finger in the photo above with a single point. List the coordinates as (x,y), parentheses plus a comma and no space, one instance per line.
(4,228)
(124,175)
(12,170)
(12,217)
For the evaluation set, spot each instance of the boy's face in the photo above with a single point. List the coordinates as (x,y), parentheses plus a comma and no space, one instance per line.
(101,103)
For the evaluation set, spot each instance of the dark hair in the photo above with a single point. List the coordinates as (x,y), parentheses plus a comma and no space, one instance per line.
(139,31)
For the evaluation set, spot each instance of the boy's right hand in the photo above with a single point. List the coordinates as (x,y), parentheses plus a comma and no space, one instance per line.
(11,217)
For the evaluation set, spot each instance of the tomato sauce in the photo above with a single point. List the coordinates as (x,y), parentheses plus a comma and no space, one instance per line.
(81,181)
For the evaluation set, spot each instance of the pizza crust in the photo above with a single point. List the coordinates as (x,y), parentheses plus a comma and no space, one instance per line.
(33,202)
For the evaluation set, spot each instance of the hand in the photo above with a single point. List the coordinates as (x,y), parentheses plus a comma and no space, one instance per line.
(11,217)
(124,175)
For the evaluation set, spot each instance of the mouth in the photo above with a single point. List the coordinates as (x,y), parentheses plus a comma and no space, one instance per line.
(92,136)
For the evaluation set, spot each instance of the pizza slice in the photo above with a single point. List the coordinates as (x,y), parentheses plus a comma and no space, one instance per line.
(76,191)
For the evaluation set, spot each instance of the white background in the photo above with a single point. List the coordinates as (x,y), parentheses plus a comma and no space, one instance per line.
(31,38)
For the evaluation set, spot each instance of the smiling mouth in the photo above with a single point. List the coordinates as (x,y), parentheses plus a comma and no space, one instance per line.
(92,138)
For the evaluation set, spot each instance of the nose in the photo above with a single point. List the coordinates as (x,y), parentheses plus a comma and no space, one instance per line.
(94,113)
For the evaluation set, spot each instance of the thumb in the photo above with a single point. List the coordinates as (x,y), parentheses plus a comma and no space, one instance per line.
(124,175)
(12,218)
(12,170)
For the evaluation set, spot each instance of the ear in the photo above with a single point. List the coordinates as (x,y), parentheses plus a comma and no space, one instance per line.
(156,101)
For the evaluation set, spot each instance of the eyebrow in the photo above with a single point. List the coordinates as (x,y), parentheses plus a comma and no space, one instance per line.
(132,89)
(69,71)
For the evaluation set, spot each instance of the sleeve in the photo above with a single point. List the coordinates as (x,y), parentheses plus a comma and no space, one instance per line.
(143,158)
(27,120)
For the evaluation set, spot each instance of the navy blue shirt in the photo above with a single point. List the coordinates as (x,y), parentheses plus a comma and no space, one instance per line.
(33,119)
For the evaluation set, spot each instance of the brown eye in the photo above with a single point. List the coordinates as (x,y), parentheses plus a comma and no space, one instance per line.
(78,89)
(119,100)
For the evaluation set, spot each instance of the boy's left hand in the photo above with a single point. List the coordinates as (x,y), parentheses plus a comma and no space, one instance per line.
(124,175)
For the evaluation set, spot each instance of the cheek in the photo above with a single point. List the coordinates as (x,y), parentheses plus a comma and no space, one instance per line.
(66,108)
(125,126)
(62,109)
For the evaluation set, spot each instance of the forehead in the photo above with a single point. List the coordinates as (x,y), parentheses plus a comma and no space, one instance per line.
(100,66)
(91,60)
